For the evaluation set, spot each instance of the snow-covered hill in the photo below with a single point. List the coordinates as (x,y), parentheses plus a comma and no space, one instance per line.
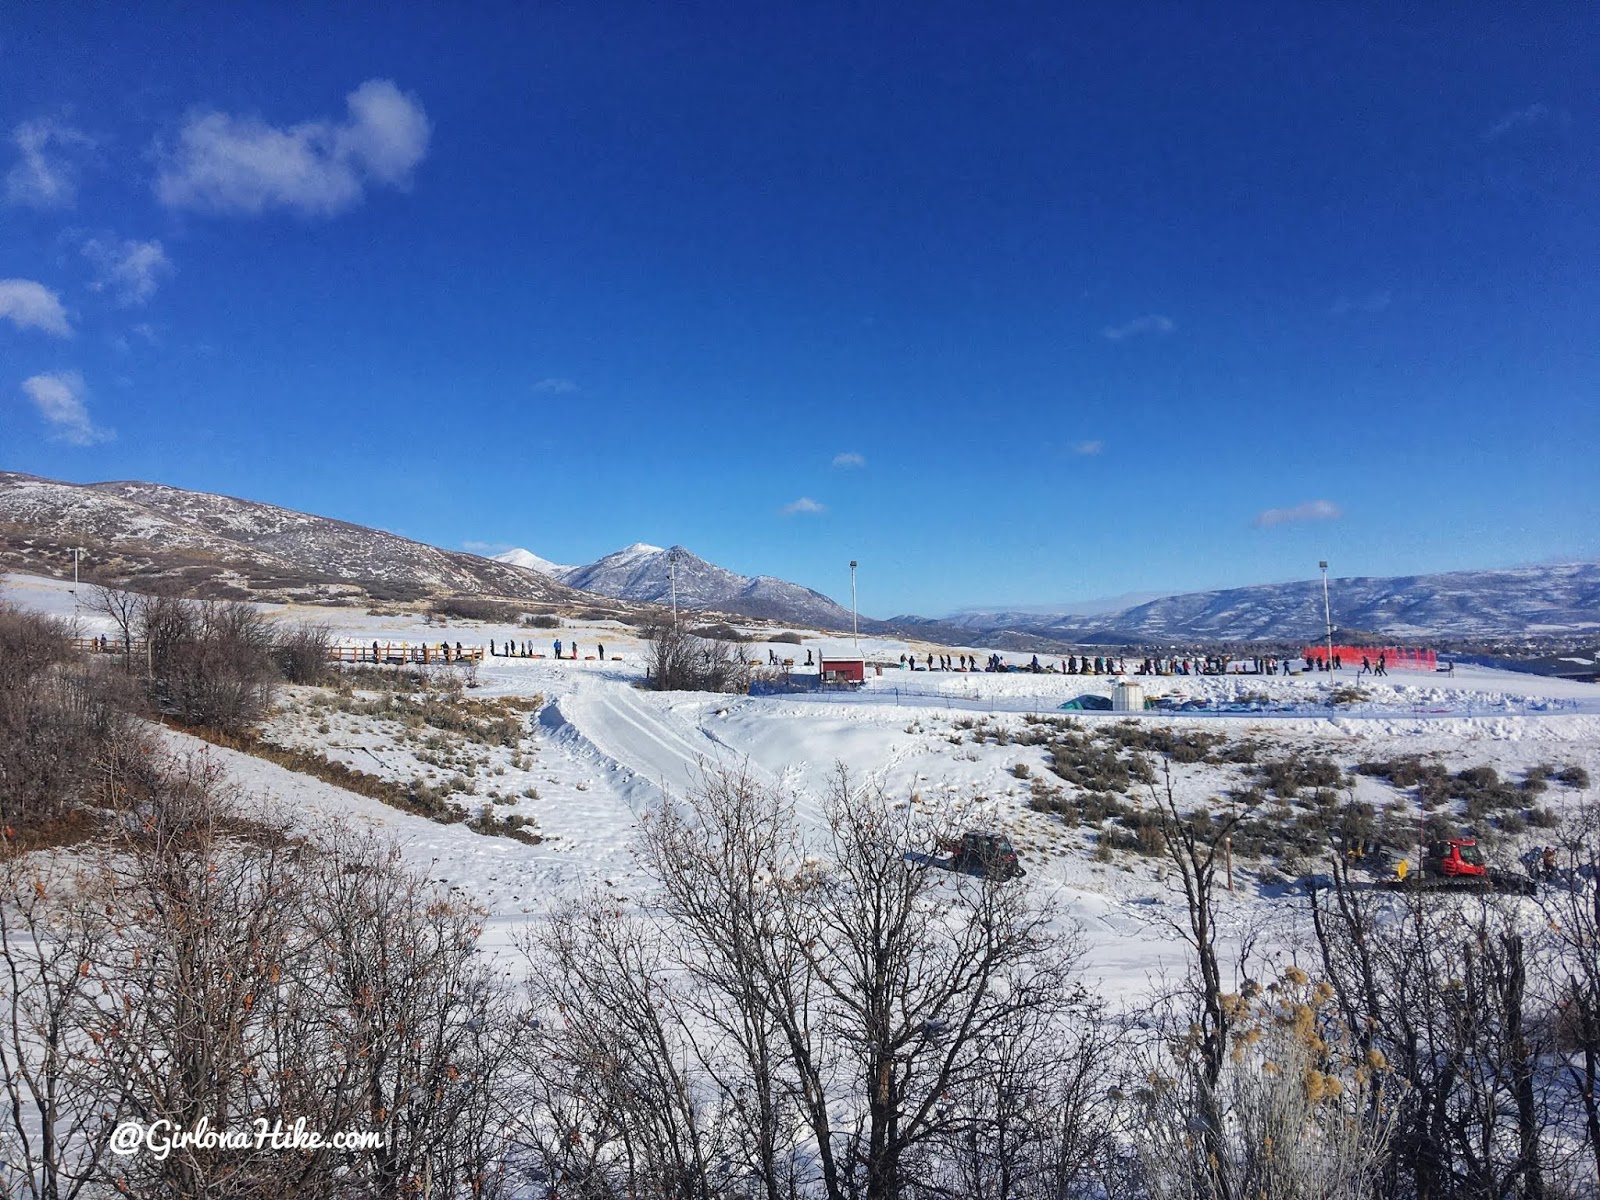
(146,532)
(644,573)
(1521,600)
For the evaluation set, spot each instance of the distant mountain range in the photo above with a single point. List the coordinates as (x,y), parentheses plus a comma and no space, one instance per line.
(645,574)
(1457,604)
(148,534)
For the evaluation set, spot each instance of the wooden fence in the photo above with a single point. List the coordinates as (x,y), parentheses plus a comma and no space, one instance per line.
(105,645)
(386,652)
(376,652)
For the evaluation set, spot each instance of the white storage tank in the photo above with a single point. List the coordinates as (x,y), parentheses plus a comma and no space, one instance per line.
(1127,697)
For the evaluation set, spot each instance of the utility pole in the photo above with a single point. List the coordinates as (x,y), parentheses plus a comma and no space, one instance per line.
(1327,613)
(855,626)
(672,572)
(77,554)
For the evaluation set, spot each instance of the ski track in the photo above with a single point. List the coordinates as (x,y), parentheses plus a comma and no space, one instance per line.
(653,746)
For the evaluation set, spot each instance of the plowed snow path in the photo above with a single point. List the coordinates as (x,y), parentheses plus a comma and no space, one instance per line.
(655,747)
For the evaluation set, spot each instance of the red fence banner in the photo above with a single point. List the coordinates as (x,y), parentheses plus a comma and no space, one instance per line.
(1395,658)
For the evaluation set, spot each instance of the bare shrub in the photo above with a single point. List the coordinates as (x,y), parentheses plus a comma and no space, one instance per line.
(412,1030)
(720,631)
(65,734)
(210,661)
(476,608)
(123,608)
(1294,1114)
(202,967)
(53,1136)
(300,653)
(679,661)
(30,644)
(800,1019)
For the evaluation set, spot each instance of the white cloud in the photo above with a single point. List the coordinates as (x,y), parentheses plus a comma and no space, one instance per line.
(45,175)
(1521,118)
(228,164)
(555,387)
(1311,510)
(803,505)
(1154,323)
(849,458)
(59,399)
(30,305)
(1090,447)
(131,270)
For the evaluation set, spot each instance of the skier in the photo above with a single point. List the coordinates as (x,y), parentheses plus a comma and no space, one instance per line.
(601,651)
(558,647)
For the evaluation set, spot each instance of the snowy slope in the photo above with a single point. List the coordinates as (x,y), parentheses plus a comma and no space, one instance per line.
(601,753)
(148,531)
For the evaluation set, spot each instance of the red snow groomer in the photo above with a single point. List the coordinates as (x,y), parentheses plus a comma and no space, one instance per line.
(1458,864)
(1455,858)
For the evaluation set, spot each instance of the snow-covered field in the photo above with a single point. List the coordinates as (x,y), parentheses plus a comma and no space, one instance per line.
(597,751)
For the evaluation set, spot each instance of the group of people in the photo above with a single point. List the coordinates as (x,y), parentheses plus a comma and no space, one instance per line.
(526,650)
(446,654)
(946,662)
(1211,664)
(1222,664)
(1101,664)
(1071,665)
(772,659)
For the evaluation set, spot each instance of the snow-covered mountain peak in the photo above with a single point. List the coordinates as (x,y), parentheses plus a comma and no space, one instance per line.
(638,550)
(528,560)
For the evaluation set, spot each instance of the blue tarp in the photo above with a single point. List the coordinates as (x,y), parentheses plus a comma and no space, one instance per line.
(1088,702)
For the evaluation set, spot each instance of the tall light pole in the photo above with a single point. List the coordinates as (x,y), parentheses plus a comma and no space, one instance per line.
(1327,613)
(77,553)
(855,626)
(672,572)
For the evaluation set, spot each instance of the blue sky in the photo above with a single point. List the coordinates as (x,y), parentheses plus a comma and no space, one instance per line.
(1011,302)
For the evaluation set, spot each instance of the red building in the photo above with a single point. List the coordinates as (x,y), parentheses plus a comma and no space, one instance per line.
(844,670)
